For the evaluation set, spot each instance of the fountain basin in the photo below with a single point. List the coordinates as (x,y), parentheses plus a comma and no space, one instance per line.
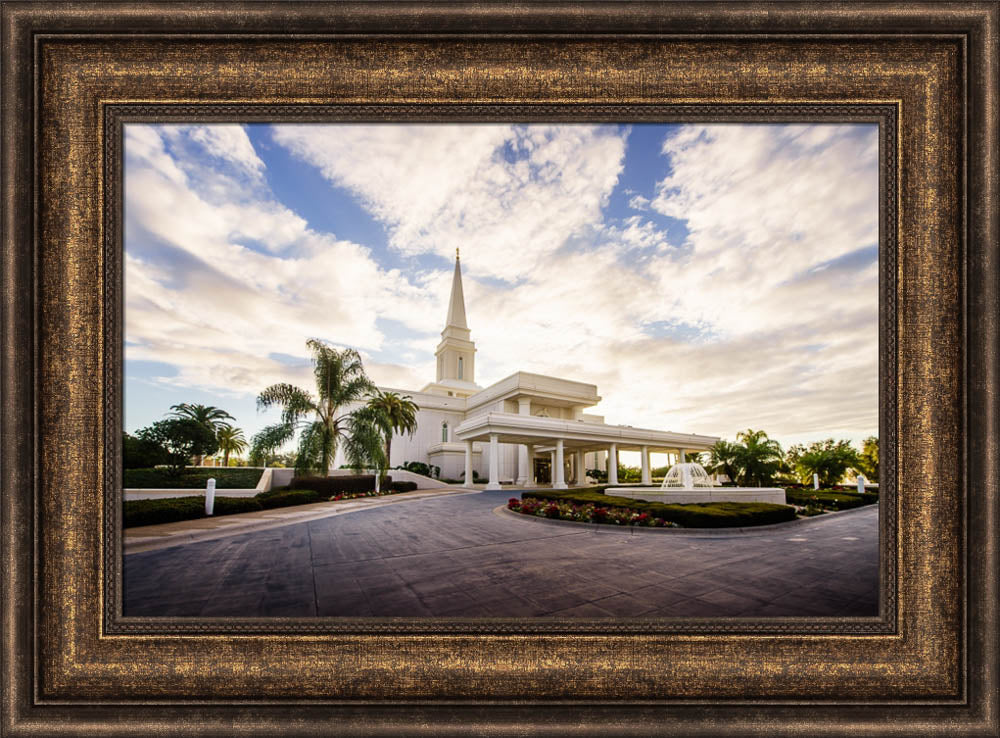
(673,496)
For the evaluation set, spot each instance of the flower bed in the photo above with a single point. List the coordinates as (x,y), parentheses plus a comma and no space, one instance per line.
(587,513)
(695,515)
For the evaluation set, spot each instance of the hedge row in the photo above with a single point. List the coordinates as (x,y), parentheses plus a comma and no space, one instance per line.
(333,486)
(330,486)
(696,515)
(828,499)
(173,509)
(191,478)
(287,498)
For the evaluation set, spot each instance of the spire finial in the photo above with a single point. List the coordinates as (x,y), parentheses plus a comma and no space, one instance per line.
(456,253)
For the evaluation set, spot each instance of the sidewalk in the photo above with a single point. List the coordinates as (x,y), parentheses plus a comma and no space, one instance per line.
(152,537)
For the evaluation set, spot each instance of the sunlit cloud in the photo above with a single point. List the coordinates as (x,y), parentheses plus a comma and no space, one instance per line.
(762,314)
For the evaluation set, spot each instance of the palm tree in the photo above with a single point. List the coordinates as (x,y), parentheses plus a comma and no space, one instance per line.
(723,458)
(322,420)
(397,414)
(231,440)
(828,459)
(758,456)
(209,416)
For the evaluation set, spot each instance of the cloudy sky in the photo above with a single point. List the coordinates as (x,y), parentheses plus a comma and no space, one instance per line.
(708,278)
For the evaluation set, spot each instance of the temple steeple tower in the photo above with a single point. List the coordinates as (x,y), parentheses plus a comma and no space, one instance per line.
(456,354)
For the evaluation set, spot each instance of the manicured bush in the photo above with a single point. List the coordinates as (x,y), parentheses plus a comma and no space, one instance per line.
(332,486)
(288,497)
(825,498)
(419,467)
(698,515)
(403,486)
(191,478)
(172,509)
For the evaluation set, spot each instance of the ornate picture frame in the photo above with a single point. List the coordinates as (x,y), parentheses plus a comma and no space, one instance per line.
(73,74)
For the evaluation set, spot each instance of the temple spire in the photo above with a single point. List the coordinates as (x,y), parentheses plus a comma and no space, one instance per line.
(456,354)
(456,305)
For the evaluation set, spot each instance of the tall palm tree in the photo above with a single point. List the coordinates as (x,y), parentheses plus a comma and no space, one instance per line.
(759,456)
(723,458)
(322,418)
(398,415)
(231,440)
(209,416)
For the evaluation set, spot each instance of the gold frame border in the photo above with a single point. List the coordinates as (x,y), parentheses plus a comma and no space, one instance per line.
(57,667)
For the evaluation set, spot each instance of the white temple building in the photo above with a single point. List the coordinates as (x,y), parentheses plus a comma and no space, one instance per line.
(526,429)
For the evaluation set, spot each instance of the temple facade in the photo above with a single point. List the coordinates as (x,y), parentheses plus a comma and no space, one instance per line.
(525,429)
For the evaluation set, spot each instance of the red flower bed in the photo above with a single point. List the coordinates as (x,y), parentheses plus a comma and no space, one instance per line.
(586,513)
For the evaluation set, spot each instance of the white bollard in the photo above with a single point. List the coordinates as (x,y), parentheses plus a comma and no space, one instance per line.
(209,496)
(815,481)
(861,484)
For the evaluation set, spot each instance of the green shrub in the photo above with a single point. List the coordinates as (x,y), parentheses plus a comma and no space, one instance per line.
(331,486)
(191,478)
(141,453)
(825,498)
(288,497)
(402,486)
(698,515)
(173,509)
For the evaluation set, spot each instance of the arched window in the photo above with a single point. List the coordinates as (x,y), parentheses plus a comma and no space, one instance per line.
(444,432)
(460,367)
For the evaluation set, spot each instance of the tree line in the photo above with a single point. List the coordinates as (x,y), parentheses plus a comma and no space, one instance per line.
(755,460)
(345,410)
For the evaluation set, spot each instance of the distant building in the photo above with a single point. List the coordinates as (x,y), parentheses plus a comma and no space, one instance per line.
(526,429)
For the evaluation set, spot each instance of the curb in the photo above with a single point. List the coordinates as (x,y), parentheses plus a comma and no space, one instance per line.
(503,510)
(231,525)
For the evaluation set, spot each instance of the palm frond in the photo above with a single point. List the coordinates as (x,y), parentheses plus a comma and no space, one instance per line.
(294,401)
(269,439)
(364,445)
(310,453)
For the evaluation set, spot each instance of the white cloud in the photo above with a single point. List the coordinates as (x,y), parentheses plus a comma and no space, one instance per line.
(508,196)
(765,316)
(200,299)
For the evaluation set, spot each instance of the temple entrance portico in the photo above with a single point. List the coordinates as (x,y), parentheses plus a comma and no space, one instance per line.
(566,443)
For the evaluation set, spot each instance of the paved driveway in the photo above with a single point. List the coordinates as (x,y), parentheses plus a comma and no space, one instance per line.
(454,557)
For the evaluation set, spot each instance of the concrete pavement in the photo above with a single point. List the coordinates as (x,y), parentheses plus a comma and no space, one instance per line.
(451,556)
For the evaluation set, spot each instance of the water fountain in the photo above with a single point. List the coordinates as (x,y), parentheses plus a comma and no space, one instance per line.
(687,476)
(687,483)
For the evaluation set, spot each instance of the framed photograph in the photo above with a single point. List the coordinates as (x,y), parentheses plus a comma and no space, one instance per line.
(571,368)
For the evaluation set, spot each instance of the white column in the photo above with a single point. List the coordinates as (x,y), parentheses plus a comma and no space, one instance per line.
(468,463)
(560,476)
(494,463)
(613,464)
(681,456)
(581,468)
(646,479)
(522,464)
(530,481)
(524,473)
